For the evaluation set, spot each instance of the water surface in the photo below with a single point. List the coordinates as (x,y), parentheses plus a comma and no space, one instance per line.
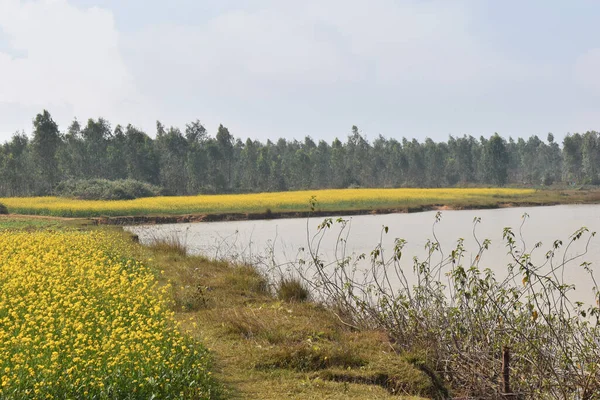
(284,240)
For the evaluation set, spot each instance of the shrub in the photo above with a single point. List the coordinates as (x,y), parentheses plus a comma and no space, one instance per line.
(103,189)
(466,319)
(3,209)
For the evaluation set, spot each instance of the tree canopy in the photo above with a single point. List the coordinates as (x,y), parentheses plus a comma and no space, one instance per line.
(193,161)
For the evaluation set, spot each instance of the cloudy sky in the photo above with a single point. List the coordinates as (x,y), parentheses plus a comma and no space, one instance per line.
(273,68)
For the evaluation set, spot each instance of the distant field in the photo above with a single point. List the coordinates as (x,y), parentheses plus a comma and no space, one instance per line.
(326,200)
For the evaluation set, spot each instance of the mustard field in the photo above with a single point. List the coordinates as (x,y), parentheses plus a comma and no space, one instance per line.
(327,200)
(81,319)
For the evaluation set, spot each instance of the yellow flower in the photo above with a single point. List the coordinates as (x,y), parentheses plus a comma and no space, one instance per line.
(77,309)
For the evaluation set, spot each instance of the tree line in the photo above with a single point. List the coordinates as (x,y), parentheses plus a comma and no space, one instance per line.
(191,161)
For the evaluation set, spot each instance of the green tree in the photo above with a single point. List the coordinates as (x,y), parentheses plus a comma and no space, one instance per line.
(171,148)
(552,162)
(96,135)
(590,157)
(45,144)
(572,158)
(140,157)
(496,160)
(197,158)
(225,147)
(16,169)
(71,154)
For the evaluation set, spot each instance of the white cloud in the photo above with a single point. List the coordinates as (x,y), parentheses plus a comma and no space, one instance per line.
(66,59)
(269,69)
(319,44)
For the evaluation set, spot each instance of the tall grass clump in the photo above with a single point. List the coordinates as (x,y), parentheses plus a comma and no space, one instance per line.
(80,319)
(462,318)
(292,290)
(169,244)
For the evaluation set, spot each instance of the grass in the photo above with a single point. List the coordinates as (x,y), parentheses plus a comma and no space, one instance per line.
(81,318)
(172,244)
(269,348)
(270,203)
(11,222)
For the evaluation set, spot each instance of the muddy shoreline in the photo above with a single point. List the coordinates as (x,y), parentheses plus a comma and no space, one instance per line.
(179,219)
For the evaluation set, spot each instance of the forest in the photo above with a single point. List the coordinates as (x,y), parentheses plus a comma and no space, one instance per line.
(192,161)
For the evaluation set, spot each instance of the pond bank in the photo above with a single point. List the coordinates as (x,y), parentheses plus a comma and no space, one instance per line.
(235,216)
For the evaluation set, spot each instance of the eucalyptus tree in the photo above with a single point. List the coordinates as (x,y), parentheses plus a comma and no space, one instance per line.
(340,178)
(225,146)
(415,163)
(358,160)
(44,146)
(380,163)
(321,168)
(171,148)
(495,159)
(552,161)
(193,162)
(16,168)
(573,158)
(96,136)
(116,157)
(263,167)
(71,154)
(590,157)
(532,157)
(435,156)
(247,166)
(196,163)
(141,161)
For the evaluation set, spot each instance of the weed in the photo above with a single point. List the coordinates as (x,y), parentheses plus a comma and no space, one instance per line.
(245,278)
(292,290)
(306,356)
(173,244)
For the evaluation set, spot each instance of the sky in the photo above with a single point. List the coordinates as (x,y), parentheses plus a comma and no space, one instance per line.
(280,68)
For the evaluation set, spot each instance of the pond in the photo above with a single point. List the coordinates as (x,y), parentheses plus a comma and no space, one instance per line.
(282,241)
